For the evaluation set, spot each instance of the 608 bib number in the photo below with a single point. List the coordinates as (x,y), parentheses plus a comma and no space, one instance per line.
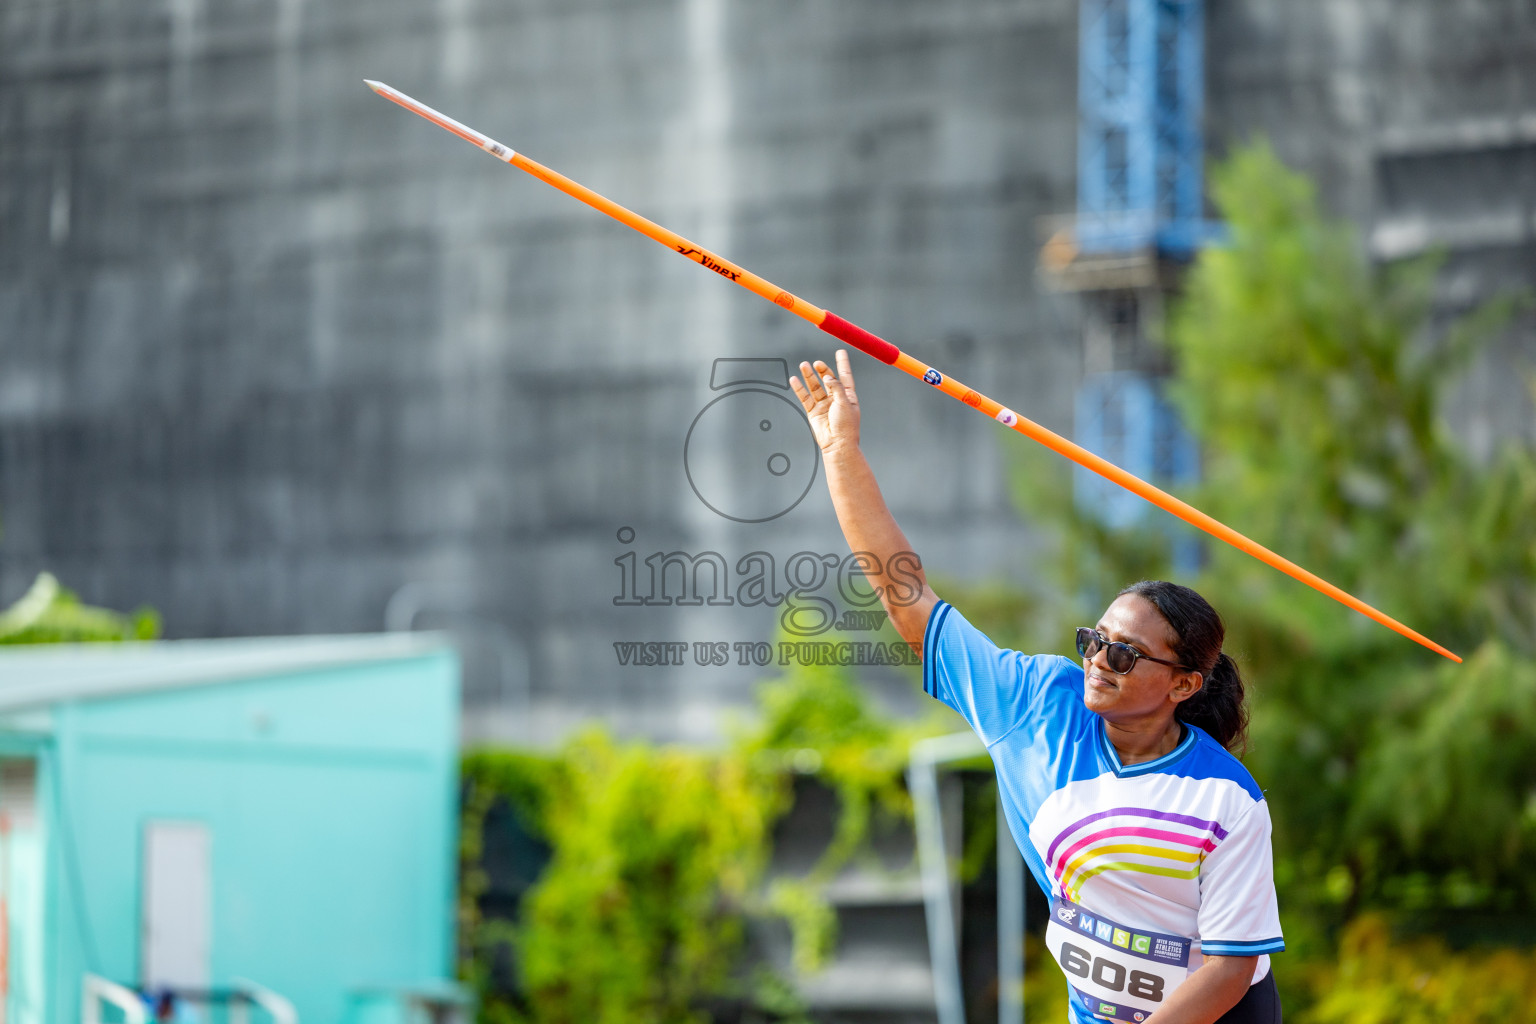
(1119,973)
(1110,975)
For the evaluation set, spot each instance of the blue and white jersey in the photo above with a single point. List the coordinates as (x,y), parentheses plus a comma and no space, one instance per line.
(1147,866)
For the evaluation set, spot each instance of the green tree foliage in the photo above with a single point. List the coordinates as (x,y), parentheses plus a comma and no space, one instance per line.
(48,613)
(638,914)
(1315,385)
(1376,980)
(654,854)
(660,856)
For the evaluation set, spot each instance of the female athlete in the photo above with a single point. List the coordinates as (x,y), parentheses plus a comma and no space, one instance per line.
(1151,840)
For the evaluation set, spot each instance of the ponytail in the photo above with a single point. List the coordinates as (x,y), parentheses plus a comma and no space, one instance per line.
(1218,708)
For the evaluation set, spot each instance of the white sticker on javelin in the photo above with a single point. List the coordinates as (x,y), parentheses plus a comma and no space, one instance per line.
(1007,417)
(497,150)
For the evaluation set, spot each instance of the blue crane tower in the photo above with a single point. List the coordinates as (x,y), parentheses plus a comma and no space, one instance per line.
(1139,219)
(1140,91)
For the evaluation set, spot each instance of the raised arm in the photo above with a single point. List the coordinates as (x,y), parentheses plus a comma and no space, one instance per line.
(894,569)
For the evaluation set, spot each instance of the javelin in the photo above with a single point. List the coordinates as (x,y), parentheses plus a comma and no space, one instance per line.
(884,351)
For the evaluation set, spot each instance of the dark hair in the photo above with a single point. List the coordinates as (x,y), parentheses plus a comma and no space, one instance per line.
(1198,632)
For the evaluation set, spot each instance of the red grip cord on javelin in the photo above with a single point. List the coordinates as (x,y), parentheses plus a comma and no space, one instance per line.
(859,338)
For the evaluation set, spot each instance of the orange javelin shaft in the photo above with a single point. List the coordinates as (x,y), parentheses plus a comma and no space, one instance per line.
(884,351)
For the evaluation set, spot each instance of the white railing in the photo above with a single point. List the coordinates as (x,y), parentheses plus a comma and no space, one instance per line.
(277,1007)
(97,991)
(927,757)
(933,865)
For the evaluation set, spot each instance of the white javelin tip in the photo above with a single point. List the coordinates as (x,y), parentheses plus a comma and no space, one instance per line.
(468,134)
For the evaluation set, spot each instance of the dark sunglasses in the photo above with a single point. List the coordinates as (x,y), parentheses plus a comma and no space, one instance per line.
(1121,657)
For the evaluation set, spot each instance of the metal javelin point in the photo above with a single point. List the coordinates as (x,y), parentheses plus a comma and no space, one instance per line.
(880,349)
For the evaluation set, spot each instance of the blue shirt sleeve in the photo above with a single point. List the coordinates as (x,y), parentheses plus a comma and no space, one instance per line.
(992,689)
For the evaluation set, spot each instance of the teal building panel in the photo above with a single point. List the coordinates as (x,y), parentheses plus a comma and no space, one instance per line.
(329,795)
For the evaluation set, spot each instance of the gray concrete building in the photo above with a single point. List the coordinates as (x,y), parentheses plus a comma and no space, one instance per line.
(277,357)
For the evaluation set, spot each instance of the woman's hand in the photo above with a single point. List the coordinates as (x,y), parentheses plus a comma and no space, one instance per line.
(830,403)
(895,572)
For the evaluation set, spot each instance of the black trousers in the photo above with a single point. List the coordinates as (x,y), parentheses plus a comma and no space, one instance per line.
(1259,1005)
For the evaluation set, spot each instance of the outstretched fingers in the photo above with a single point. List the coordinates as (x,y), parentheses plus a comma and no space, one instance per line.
(829,380)
(811,391)
(821,384)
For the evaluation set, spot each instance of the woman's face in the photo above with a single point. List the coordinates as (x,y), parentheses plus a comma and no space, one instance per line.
(1148,690)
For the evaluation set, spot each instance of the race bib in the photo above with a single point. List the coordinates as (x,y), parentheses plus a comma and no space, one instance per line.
(1120,973)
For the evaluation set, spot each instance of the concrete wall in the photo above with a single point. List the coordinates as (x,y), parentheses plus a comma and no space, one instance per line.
(273,348)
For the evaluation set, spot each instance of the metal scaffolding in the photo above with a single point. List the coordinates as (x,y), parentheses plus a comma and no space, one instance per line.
(1140,91)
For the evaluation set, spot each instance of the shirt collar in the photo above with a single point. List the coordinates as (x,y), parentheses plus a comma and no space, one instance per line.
(1111,756)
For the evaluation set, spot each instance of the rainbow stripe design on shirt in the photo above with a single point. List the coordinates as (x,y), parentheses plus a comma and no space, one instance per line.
(1143,832)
